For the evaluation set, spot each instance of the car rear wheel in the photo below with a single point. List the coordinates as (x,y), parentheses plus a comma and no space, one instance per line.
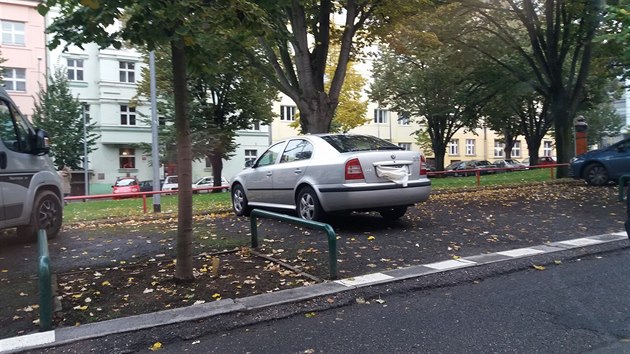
(308,205)
(393,213)
(239,201)
(47,215)
(596,175)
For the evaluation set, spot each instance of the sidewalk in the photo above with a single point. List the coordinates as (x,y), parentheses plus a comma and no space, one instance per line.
(511,260)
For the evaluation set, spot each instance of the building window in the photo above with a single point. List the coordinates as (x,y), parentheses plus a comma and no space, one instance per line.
(127,71)
(161,121)
(499,148)
(208,163)
(470,147)
(287,113)
(250,155)
(12,33)
(516,149)
(127,158)
(547,148)
(256,125)
(127,115)
(15,79)
(406,146)
(403,118)
(381,116)
(453,147)
(75,69)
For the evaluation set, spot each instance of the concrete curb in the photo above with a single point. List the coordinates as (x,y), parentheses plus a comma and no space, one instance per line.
(203,311)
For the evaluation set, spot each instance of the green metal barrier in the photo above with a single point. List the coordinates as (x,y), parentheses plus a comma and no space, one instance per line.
(45,288)
(332,238)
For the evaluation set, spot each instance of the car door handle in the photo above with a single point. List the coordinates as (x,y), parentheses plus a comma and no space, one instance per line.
(269,174)
(3,160)
(297,171)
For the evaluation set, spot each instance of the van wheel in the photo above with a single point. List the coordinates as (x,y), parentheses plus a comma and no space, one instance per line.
(239,201)
(47,214)
(393,213)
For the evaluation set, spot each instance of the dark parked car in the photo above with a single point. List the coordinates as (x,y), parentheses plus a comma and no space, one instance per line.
(599,167)
(509,165)
(468,168)
(147,186)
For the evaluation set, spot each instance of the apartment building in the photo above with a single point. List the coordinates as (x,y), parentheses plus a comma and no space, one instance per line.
(481,144)
(23,46)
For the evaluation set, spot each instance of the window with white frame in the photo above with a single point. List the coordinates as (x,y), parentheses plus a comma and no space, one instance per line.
(381,116)
(75,69)
(287,113)
(251,155)
(127,115)
(470,147)
(12,33)
(14,79)
(453,147)
(127,158)
(406,146)
(127,71)
(403,118)
(499,148)
(547,148)
(516,149)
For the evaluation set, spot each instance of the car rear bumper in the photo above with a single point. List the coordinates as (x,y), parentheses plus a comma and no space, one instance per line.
(358,196)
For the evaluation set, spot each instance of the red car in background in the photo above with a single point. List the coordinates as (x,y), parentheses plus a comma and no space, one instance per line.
(126,185)
(546,160)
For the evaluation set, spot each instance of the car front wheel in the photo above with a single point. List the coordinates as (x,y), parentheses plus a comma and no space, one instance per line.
(393,213)
(47,215)
(596,175)
(239,201)
(308,205)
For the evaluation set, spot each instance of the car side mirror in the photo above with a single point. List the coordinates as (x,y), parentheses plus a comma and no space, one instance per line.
(621,148)
(40,142)
(249,163)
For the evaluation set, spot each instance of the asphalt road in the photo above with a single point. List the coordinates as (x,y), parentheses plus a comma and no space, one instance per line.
(573,307)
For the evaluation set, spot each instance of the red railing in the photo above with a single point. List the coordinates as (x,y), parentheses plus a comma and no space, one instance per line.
(142,195)
(479,171)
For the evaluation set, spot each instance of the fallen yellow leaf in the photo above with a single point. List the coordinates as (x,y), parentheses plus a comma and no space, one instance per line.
(105,283)
(538,267)
(370,238)
(156,346)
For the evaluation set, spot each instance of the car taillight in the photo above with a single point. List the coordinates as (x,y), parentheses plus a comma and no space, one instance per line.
(353,169)
(423,165)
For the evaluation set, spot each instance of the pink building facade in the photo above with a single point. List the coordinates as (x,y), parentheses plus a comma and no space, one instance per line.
(23,46)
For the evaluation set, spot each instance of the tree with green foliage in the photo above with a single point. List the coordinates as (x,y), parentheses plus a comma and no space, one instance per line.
(61,116)
(184,25)
(224,97)
(558,51)
(603,121)
(296,36)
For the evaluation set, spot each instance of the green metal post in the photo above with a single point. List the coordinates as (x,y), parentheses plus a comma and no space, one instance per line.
(45,289)
(330,232)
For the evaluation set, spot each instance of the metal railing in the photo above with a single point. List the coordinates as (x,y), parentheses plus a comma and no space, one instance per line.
(478,172)
(330,232)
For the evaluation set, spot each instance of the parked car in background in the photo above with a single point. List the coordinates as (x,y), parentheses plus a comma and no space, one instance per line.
(319,174)
(599,167)
(206,182)
(468,168)
(147,186)
(170,183)
(509,165)
(125,185)
(546,160)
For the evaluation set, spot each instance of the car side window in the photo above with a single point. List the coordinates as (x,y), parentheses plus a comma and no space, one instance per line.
(270,156)
(13,131)
(297,150)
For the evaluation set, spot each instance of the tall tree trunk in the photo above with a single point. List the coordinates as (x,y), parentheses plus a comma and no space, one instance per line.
(563,125)
(316,113)
(217,168)
(184,265)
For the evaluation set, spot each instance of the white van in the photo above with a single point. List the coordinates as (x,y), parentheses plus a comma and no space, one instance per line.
(30,188)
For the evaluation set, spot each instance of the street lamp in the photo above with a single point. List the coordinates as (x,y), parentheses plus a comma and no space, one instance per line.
(154,135)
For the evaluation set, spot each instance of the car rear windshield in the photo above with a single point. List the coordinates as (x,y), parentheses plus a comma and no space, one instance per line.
(349,143)
(126,182)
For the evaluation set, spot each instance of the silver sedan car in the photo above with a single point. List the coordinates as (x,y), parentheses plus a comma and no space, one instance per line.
(318,174)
